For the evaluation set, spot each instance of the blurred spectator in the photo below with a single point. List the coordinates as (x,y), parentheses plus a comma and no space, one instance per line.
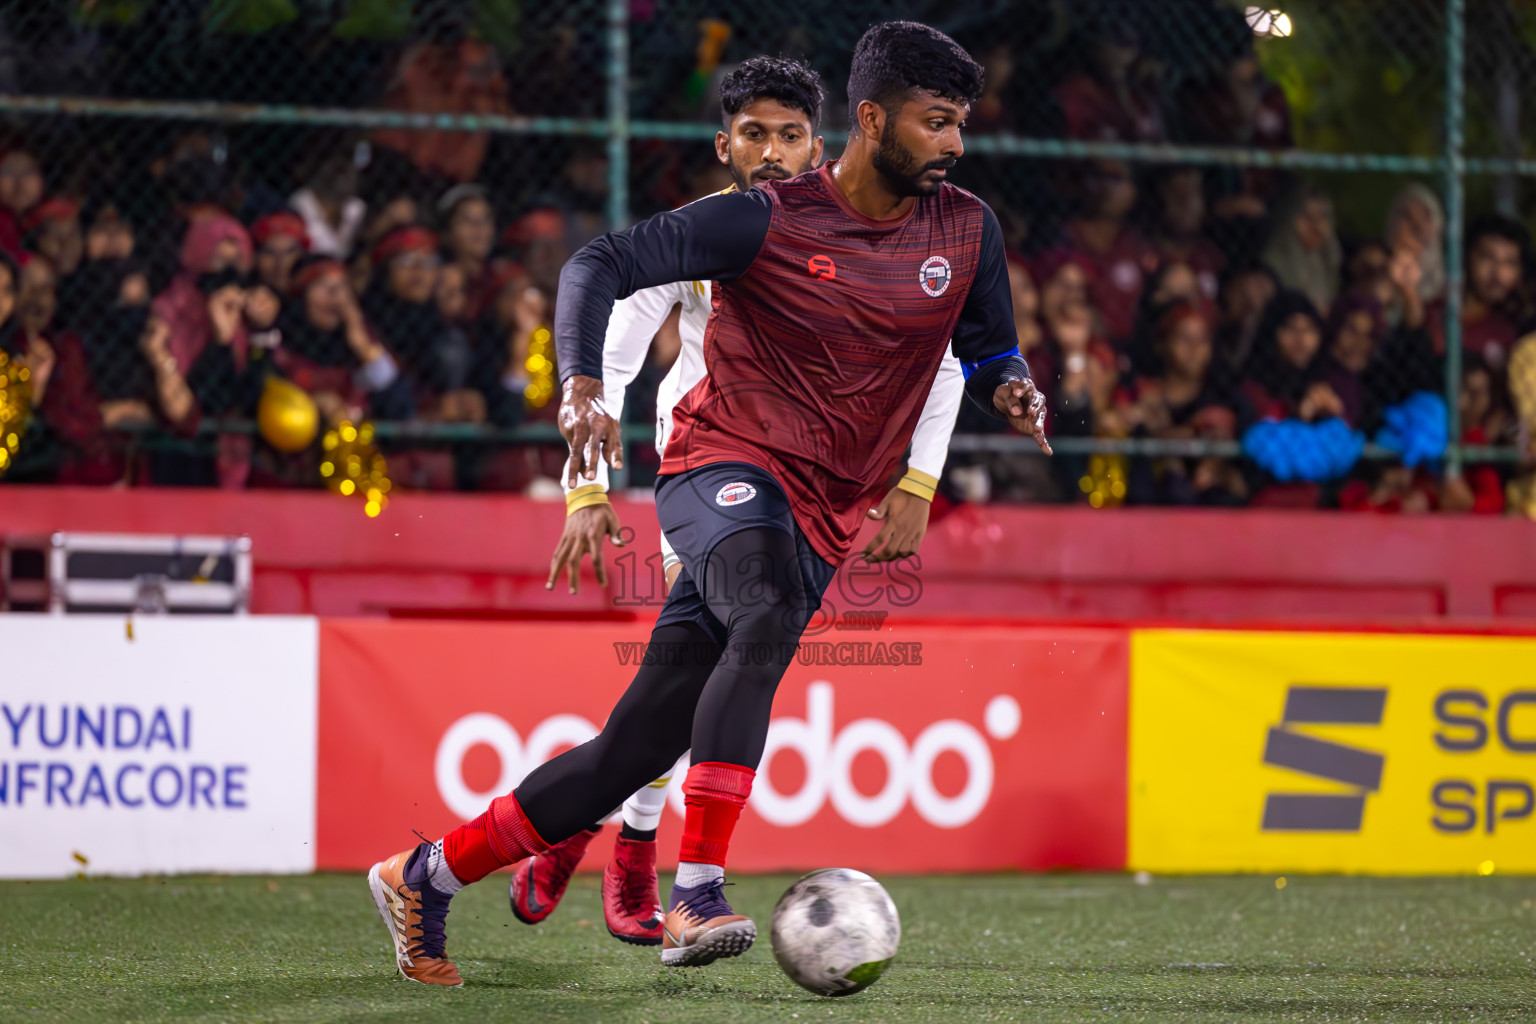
(1073,368)
(1183,401)
(1370,366)
(445,73)
(1026,304)
(107,305)
(1179,199)
(469,233)
(583,191)
(202,314)
(538,241)
(402,304)
(329,349)
(992,114)
(1284,381)
(1498,250)
(503,336)
(1110,100)
(1284,378)
(53,230)
(317,339)
(1370,272)
(1356,333)
(1416,228)
(1390,487)
(1173,281)
(329,206)
(64,401)
(1304,250)
(110,316)
(511,372)
(12,340)
(1066,289)
(1521,491)
(1246,292)
(1231,103)
(463,403)
(280,239)
(1120,257)
(1485,420)
(21,188)
(213,244)
(1074,363)
(107,246)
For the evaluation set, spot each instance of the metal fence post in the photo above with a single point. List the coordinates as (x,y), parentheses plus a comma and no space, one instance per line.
(618,114)
(1455,53)
(618,149)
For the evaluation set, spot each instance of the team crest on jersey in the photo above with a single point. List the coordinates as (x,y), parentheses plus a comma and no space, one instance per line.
(735,494)
(934,275)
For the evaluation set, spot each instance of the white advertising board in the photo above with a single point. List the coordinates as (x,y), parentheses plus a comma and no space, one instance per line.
(163,745)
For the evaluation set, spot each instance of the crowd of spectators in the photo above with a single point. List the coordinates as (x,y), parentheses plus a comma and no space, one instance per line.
(395,277)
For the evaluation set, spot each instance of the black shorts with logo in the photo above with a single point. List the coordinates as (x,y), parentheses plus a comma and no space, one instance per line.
(700,508)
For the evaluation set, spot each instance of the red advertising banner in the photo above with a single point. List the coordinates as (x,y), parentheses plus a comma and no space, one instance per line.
(911,749)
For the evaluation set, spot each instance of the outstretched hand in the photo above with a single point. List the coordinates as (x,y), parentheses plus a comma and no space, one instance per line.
(904,521)
(589,430)
(1024,406)
(583,535)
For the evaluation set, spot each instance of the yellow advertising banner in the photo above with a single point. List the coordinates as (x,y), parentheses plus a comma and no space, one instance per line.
(1295,752)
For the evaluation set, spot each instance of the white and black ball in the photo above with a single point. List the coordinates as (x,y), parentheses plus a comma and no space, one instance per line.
(835,931)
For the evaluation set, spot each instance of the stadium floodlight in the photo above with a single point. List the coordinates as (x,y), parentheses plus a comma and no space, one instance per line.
(1265,22)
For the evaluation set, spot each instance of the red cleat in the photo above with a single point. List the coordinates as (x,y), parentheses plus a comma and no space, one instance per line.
(539,882)
(630,904)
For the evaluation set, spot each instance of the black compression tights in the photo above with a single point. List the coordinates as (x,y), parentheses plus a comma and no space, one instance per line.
(689,692)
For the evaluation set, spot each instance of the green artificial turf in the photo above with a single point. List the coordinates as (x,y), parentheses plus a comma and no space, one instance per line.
(979,948)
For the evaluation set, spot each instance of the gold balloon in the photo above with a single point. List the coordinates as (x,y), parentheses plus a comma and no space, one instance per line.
(287,415)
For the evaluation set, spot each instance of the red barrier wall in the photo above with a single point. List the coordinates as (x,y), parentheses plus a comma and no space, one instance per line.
(488,555)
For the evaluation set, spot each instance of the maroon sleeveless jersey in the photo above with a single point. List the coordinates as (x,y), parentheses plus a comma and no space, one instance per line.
(821,354)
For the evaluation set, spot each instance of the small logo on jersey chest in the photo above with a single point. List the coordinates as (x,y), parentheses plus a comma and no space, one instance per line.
(822,268)
(934,275)
(735,494)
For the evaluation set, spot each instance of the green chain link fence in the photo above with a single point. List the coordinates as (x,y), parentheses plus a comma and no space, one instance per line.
(1140,156)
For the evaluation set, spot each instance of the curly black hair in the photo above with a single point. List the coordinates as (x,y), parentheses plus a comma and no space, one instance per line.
(896,57)
(771,78)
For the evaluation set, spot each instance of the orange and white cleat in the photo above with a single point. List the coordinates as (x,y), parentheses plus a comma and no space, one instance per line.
(416,915)
(701,927)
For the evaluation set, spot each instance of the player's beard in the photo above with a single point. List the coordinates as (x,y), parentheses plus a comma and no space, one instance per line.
(902,170)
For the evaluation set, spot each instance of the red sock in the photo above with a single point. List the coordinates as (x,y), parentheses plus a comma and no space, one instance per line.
(500,836)
(714,794)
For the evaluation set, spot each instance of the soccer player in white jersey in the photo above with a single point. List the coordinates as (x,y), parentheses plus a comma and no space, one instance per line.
(771,108)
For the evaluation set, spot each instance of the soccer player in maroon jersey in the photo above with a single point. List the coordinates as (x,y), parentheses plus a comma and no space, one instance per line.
(771,109)
(835,295)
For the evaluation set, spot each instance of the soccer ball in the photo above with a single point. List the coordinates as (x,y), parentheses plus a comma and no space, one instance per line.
(835,931)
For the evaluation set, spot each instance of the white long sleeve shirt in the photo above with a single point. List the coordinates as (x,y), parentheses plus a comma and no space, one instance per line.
(635,321)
